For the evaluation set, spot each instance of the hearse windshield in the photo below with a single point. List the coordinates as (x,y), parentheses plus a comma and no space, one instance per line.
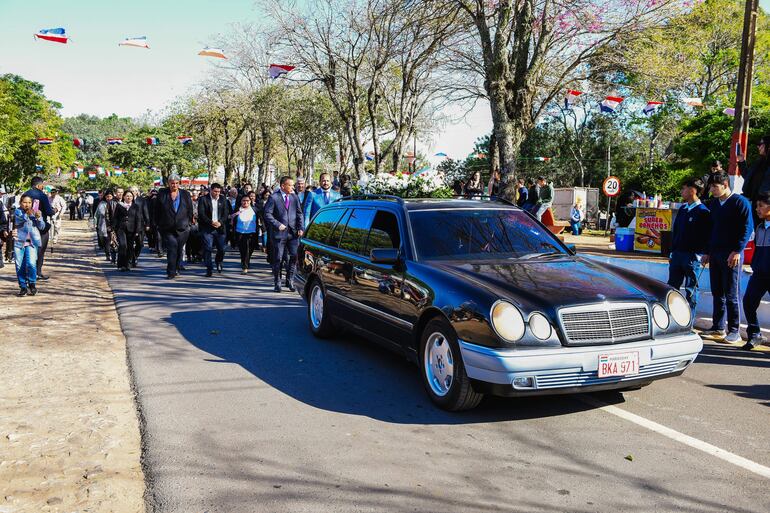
(480,234)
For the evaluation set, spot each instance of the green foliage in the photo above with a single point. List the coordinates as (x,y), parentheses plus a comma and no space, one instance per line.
(143,179)
(26,115)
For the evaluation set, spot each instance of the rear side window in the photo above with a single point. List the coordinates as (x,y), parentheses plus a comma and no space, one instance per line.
(354,239)
(323,225)
(384,233)
(334,239)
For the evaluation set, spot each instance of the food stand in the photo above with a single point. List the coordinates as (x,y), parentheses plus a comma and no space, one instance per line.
(651,225)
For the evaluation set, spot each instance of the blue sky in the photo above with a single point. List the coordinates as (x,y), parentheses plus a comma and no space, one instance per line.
(94,75)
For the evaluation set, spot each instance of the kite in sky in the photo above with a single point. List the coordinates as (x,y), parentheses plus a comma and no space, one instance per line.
(137,42)
(55,35)
(276,70)
(212,52)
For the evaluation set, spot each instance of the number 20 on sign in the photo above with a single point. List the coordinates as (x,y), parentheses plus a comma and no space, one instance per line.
(611,186)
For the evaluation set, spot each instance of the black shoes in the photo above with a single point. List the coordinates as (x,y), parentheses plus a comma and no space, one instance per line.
(43,277)
(290,286)
(22,292)
(277,287)
(32,289)
(208,273)
(219,267)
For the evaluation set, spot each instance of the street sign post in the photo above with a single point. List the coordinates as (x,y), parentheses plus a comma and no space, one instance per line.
(611,188)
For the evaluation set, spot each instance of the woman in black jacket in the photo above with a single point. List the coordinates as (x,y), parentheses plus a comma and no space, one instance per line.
(127,224)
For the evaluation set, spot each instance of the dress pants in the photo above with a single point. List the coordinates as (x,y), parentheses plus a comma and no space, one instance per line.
(247,243)
(758,286)
(41,251)
(211,239)
(281,247)
(174,242)
(683,267)
(126,243)
(725,288)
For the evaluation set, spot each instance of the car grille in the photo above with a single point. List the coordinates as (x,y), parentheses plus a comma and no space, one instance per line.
(585,379)
(606,323)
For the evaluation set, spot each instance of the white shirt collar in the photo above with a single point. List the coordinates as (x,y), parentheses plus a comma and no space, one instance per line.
(693,205)
(722,201)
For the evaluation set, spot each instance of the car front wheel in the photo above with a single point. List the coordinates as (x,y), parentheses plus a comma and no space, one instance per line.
(317,312)
(442,369)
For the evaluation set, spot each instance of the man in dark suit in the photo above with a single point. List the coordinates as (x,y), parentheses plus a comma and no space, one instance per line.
(174,214)
(138,242)
(213,212)
(44,205)
(283,213)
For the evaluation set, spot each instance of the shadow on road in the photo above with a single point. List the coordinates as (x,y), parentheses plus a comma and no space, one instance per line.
(347,374)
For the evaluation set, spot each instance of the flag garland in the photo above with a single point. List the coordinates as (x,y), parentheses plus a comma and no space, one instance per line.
(54,35)
(114,140)
(185,139)
(276,70)
(571,98)
(611,104)
(78,143)
(212,52)
(44,141)
(651,107)
(152,141)
(136,42)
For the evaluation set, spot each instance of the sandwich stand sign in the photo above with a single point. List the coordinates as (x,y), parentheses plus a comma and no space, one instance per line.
(650,223)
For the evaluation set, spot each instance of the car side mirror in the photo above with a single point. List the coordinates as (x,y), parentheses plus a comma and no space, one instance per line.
(384,256)
(572,248)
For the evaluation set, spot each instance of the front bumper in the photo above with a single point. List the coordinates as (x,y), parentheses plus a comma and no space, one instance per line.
(561,370)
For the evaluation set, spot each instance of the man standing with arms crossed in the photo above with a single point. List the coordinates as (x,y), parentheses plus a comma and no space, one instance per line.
(283,213)
(732,225)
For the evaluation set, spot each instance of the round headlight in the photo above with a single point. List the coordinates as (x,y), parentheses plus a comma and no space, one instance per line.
(539,326)
(679,308)
(507,321)
(660,316)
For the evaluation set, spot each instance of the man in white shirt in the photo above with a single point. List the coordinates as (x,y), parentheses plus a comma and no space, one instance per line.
(59,206)
(213,211)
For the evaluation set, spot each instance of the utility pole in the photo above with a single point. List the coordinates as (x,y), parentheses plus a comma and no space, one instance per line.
(743,95)
(609,198)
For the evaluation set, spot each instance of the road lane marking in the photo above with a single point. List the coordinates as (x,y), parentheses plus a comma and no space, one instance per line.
(706,447)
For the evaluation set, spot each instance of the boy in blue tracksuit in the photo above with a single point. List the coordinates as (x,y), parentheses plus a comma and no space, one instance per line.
(690,237)
(732,225)
(759,283)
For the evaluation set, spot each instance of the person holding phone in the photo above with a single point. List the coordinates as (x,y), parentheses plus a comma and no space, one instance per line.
(27,222)
(756,179)
(40,201)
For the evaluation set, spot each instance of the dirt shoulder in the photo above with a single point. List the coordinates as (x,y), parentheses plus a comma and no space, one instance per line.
(69,433)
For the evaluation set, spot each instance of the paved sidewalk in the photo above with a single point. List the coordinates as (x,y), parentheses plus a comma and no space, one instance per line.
(69,434)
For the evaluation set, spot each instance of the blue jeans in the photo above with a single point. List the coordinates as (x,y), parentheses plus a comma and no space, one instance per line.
(26,265)
(211,239)
(575,227)
(757,287)
(725,288)
(683,267)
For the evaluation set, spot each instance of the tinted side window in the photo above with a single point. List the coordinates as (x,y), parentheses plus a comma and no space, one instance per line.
(354,239)
(324,224)
(336,235)
(384,232)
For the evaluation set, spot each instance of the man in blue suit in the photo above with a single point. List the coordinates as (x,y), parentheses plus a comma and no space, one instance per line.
(283,212)
(320,198)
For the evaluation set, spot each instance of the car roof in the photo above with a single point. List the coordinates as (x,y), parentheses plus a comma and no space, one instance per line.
(416,204)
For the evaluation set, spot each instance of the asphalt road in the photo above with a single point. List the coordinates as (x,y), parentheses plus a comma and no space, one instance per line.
(243,410)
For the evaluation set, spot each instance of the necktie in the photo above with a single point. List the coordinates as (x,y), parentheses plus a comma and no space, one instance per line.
(286,201)
(326,198)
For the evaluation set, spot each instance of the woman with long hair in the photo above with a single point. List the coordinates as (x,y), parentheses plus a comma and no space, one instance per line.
(474,188)
(105,213)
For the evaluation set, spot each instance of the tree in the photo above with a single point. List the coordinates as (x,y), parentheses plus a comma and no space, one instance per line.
(527,52)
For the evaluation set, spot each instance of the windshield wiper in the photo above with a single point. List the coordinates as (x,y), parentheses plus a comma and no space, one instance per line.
(530,256)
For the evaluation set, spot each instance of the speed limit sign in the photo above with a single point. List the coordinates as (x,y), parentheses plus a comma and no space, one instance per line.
(611,186)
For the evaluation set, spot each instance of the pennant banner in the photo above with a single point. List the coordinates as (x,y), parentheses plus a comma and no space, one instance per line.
(276,70)
(54,35)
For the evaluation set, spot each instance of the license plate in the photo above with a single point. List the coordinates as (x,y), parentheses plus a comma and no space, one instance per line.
(618,364)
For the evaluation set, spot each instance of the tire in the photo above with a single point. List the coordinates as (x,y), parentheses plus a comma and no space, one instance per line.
(318,318)
(442,369)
